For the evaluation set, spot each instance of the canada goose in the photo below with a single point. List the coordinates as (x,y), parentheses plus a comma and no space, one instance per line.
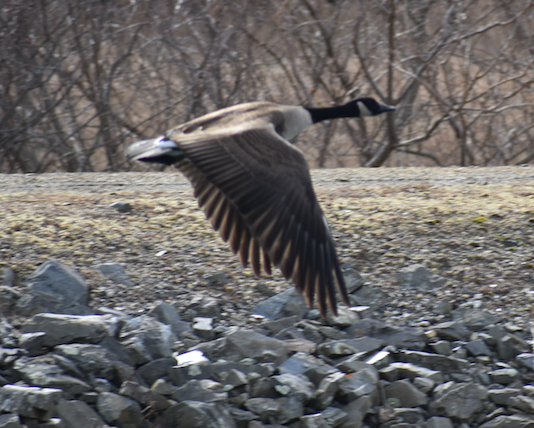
(256,189)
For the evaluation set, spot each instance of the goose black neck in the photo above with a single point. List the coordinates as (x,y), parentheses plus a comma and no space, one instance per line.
(337,112)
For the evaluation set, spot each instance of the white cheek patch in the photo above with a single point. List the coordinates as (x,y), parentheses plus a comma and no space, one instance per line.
(364,111)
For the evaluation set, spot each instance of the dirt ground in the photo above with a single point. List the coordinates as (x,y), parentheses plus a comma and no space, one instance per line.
(473,226)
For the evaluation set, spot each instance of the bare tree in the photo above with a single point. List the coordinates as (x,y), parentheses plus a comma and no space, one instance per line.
(81,80)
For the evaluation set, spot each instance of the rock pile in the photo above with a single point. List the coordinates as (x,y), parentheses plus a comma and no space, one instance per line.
(74,366)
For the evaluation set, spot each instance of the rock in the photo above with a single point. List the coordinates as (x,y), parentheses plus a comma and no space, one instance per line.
(356,411)
(203,328)
(515,421)
(406,394)
(442,347)
(97,361)
(353,280)
(504,376)
(401,337)
(119,410)
(55,287)
(59,328)
(285,304)
(363,382)
(451,330)
(122,207)
(10,420)
(33,343)
(419,276)
(205,390)
(314,421)
(433,361)
(477,347)
(396,371)
(300,363)
(115,272)
(502,395)
(147,339)
(32,402)
(526,360)
(326,390)
(459,400)
(339,348)
(204,306)
(294,385)
(194,414)
(438,422)
(526,404)
(77,414)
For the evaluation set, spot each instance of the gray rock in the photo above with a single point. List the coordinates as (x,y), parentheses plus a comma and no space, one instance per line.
(9,277)
(461,400)
(61,328)
(115,272)
(442,347)
(360,383)
(477,347)
(119,410)
(506,349)
(526,404)
(438,422)
(204,306)
(294,385)
(406,394)
(205,390)
(326,390)
(167,314)
(9,296)
(419,276)
(55,287)
(10,420)
(474,319)
(290,408)
(33,343)
(266,408)
(334,416)
(147,339)
(285,304)
(443,307)
(345,317)
(353,280)
(308,365)
(46,372)
(159,368)
(120,206)
(314,421)
(526,360)
(77,414)
(437,362)
(339,348)
(504,376)
(515,421)
(250,344)
(410,415)
(452,330)
(203,328)
(194,414)
(97,361)
(424,384)
(356,411)
(400,337)
(502,395)
(32,402)
(396,371)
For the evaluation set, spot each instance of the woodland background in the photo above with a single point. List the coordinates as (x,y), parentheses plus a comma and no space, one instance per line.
(80,80)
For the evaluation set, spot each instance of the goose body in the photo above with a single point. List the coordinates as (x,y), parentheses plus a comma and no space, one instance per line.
(255,187)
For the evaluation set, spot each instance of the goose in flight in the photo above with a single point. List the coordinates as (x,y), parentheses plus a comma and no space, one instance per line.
(255,187)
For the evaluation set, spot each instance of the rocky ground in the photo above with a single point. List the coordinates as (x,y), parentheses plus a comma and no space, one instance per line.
(440,262)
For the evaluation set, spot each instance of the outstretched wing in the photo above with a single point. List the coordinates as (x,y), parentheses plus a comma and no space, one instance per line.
(256,189)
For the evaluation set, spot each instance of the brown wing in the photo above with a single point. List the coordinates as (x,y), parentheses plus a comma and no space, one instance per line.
(257,191)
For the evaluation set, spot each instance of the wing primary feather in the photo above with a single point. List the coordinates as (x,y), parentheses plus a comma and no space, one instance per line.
(219,213)
(340,282)
(267,263)
(311,273)
(255,257)
(245,247)
(213,203)
(329,279)
(227,221)
(236,234)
